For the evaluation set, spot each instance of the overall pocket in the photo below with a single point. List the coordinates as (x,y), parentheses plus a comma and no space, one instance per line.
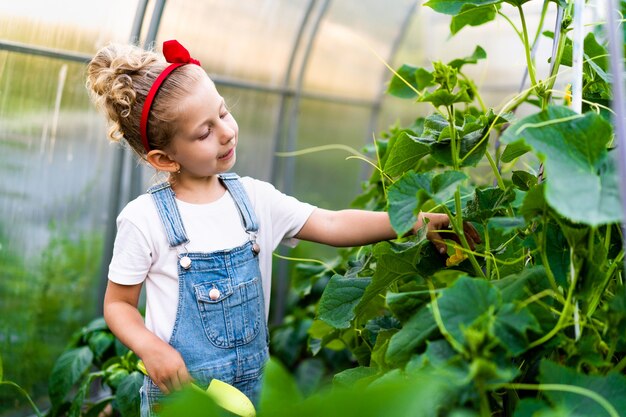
(232,317)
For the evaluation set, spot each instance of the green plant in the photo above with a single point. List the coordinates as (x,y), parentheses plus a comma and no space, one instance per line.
(19,389)
(95,360)
(43,303)
(532,320)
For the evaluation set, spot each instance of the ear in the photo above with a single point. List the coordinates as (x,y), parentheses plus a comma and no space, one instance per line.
(162,161)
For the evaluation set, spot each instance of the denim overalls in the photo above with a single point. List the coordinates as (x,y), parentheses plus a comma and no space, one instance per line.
(220,328)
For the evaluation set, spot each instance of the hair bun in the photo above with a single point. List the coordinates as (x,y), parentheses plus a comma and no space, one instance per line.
(116,76)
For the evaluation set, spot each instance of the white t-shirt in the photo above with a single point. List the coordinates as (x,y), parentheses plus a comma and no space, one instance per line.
(141,251)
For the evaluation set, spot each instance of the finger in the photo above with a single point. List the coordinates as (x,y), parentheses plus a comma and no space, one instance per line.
(438,241)
(184,377)
(474,233)
(455,238)
(471,234)
(175,383)
(163,387)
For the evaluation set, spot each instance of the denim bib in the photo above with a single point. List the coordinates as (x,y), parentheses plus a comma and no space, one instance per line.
(220,328)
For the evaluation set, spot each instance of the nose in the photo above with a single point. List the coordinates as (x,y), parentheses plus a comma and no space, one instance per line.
(227,133)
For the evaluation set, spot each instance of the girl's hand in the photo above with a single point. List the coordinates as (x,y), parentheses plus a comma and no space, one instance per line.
(438,222)
(166,368)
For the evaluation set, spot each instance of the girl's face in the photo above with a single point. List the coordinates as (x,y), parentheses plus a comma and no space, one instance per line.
(206,136)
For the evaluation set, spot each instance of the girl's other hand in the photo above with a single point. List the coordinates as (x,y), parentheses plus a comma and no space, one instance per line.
(438,222)
(166,368)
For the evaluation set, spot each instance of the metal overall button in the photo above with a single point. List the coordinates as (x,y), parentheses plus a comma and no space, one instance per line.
(214,294)
(256,248)
(185,262)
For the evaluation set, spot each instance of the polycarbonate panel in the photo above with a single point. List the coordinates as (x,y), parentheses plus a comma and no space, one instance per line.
(326,178)
(55,163)
(498,77)
(71,25)
(343,58)
(249,40)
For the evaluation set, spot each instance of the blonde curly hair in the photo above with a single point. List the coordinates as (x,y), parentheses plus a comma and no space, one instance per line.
(119,78)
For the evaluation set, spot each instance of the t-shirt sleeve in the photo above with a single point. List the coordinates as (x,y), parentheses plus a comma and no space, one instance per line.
(287,213)
(132,255)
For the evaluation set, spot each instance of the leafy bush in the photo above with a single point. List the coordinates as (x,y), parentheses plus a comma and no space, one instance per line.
(532,320)
(95,372)
(43,303)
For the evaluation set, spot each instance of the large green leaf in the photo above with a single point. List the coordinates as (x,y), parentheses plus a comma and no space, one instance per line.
(190,402)
(390,268)
(413,334)
(126,395)
(472,15)
(350,377)
(404,154)
(404,198)
(611,387)
(403,84)
(280,390)
(479,53)
(408,194)
(475,302)
(454,7)
(67,370)
(444,97)
(581,175)
(471,140)
(336,307)
(404,304)
(487,203)
(514,150)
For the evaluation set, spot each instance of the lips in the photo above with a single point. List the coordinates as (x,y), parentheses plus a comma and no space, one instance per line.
(228,154)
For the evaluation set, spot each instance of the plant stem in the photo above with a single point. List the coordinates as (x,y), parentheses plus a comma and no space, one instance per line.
(519,34)
(25,394)
(544,11)
(496,172)
(529,61)
(564,314)
(556,62)
(437,316)
(607,237)
(453,144)
(544,257)
(487,251)
(457,225)
(470,83)
(485,409)
(620,365)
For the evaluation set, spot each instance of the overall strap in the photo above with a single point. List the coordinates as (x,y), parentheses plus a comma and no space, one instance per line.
(236,190)
(163,197)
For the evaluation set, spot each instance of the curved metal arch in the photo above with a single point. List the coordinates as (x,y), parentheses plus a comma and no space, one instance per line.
(393,51)
(283,97)
(281,281)
(120,158)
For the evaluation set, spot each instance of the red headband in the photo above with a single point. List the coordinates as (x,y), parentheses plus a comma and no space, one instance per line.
(177,56)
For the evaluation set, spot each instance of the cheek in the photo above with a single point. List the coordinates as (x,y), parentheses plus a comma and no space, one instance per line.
(234,125)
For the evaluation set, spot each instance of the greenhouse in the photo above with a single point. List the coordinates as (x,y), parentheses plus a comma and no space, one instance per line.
(313,208)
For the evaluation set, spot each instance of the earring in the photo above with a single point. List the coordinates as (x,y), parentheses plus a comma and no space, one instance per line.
(178,172)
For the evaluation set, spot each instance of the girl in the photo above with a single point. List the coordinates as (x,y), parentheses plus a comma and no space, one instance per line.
(202,241)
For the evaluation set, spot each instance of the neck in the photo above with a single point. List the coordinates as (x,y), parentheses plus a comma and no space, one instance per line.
(197,190)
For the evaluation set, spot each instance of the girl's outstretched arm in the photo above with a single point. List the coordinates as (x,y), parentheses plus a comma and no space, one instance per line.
(362,227)
(163,363)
